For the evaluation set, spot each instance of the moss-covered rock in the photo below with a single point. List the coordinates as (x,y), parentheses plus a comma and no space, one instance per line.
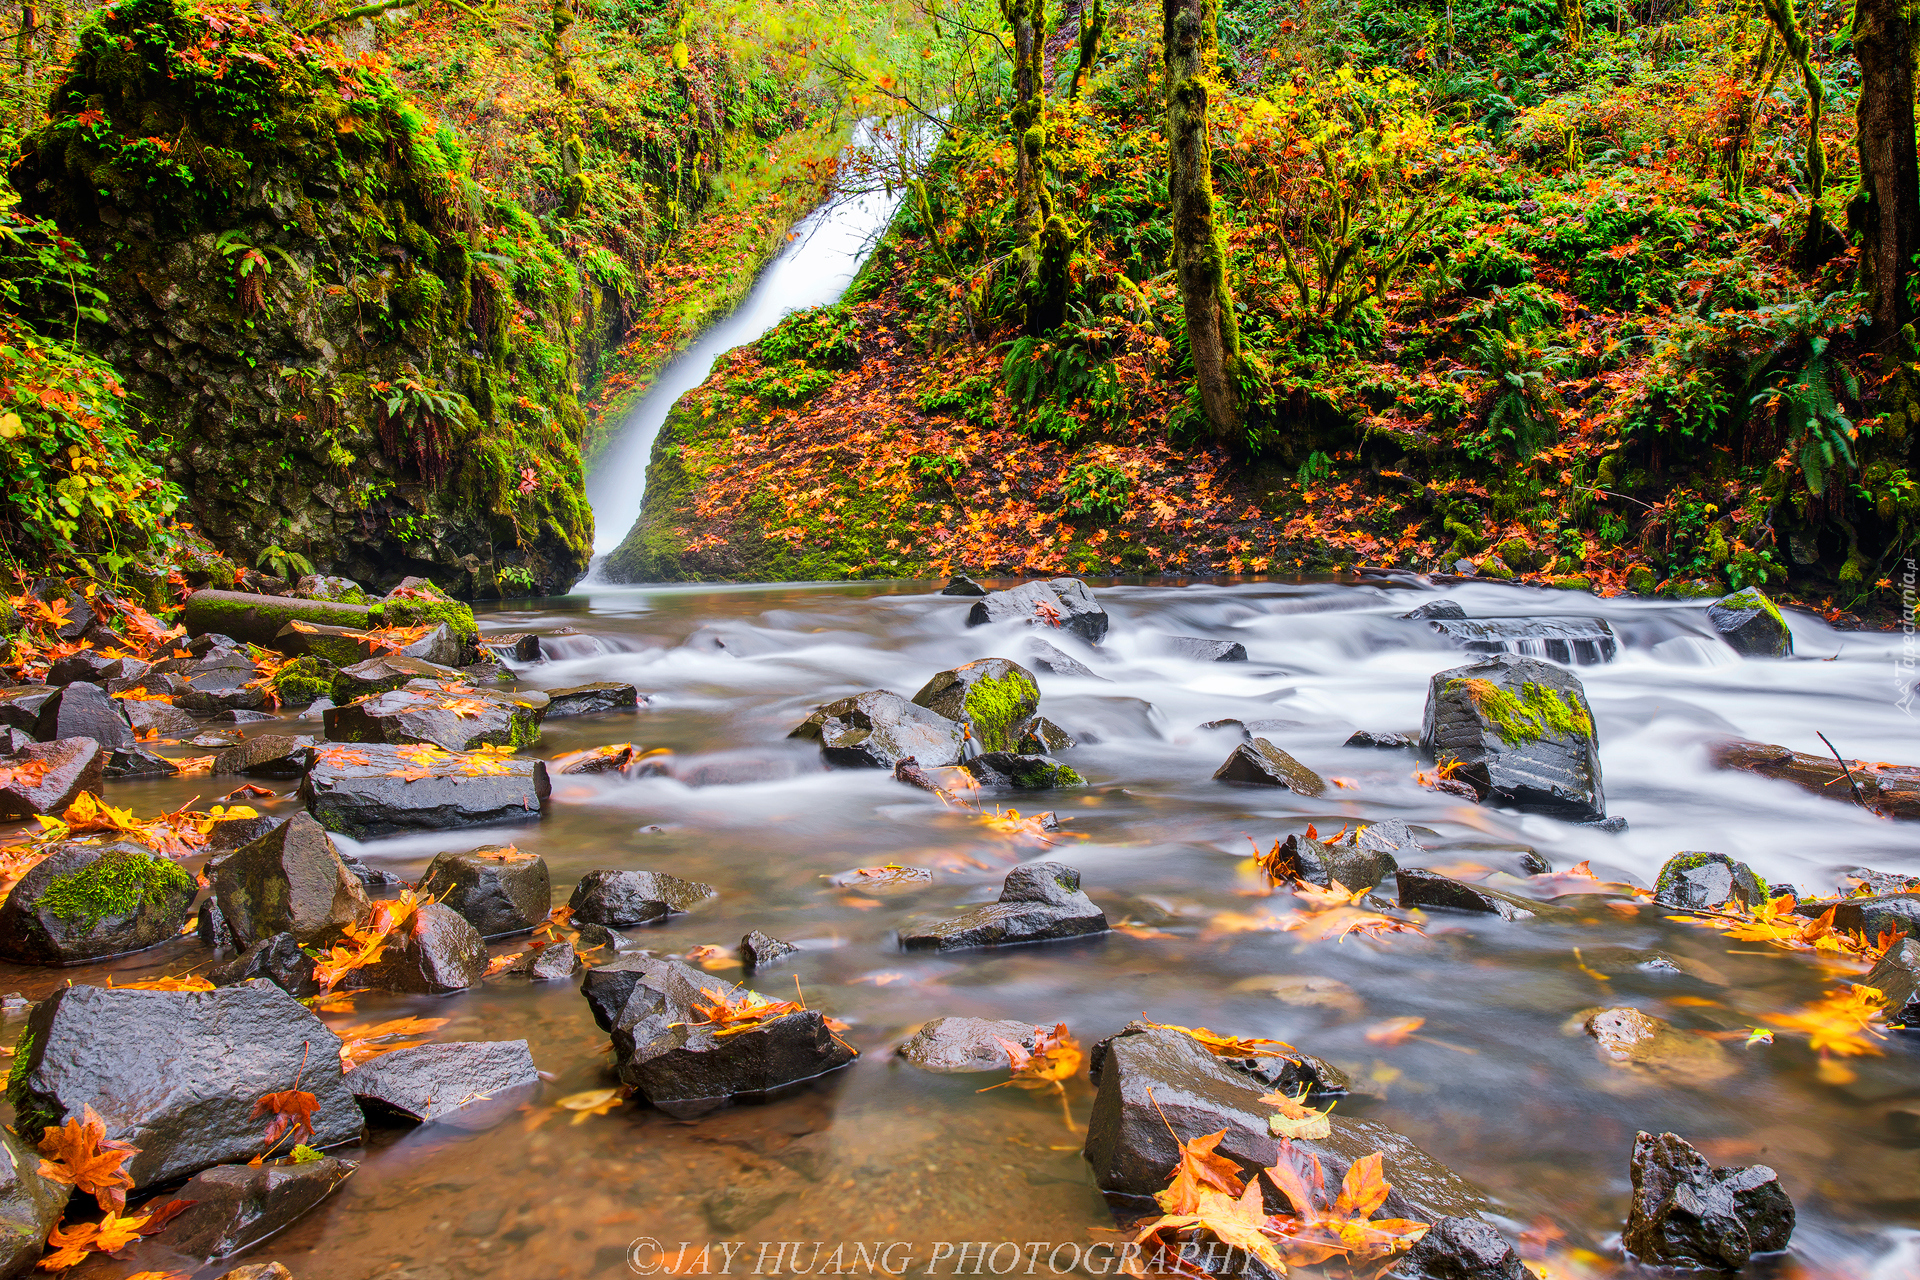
(1752,624)
(85,902)
(303,680)
(993,697)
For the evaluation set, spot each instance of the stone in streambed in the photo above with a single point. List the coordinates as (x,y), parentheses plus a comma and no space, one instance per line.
(1686,1214)
(1890,790)
(368,790)
(762,950)
(220,682)
(159,719)
(447,713)
(236,1206)
(619,899)
(290,880)
(1366,738)
(548,963)
(993,698)
(389,671)
(1871,914)
(84,711)
(1461,1248)
(1519,732)
(20,705)
(46,777)
(271,755)
(1419,888)
(1751,624)
(591,699)
(1897,977)
(1353,864)
(177,1073)
(430,1081)
(86,902)
(1040,902)
(1043,737)
(961,585)
(1194,649)
(139,764)
(499,889)
(30,1205)
(668,1053)
(1638,1042)
(1570,641)
(1049,658)
(1708,882)
(1259,763)
(954,1046)
(279,959)
(435,952)
(1066,603)
(1021,772)
(877,730)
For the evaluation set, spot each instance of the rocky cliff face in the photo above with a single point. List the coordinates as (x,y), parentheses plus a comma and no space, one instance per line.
(359,354)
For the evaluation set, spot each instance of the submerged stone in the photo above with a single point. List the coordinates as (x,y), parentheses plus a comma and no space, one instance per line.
(1039,902)
(1419,888)
(954,1046)
(591,699)
(1194,649)
(236,1206)
(1897,977)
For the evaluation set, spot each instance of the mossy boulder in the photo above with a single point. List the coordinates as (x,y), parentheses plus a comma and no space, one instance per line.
(417,603)
(1708,882)
(993,698)
(290,880)
(1751,624)
(304,680)
(1021,772)
(1520,733)
(86,902)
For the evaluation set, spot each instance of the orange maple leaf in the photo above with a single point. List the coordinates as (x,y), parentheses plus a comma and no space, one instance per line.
(80,1155)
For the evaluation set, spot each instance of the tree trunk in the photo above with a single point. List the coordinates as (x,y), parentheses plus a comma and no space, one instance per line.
(1888,213)
(1093,24)
(1046,247)
(1189,42)
(1800,49)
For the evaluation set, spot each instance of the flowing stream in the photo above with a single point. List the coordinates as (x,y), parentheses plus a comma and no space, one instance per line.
(1500,1082)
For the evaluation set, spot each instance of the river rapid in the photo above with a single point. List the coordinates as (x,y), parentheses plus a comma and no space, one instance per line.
(1500,1082)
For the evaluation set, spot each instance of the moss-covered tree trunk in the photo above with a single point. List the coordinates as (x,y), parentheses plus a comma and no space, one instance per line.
(1888,213)
(1190,47)
(1093,25)
(1045,246)
(1800,49)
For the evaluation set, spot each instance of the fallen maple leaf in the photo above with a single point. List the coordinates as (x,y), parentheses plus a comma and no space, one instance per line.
(291,1111)
(72,1244)
(1394,1030)
(1055,1058)
(594,1102)
(1295,1119)
(1316,1232)
(1227,1046)
(80,1155)
(371,1039)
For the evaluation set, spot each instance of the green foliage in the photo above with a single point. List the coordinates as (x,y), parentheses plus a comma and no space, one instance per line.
(1062,386)
(282,563)
(1520,419)
(823,337)
(1092,489)
(971,399)
(1819,434)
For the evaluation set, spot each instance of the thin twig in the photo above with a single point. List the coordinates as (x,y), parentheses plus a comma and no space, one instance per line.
(1843,767)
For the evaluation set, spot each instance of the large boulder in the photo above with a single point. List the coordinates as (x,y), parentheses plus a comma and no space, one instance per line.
(235,1206)
(1751,624)
(878,730)
(177,1073)
(619,899)
(1261,764)
(992,697)
(1519,732)
(46,777)
(86,902)
(499,889)
(84,711)
(591,699)
(674,1054)
(1159,1087)
(1688,1215)
(449,714)
(434,953)
(1569,641)
(372,789)
(956,1046)
(256,619)
(30,1205)
(430,1081)
(1708,882)
(20,705)
(1039,902)
(290,880)
(1066,603)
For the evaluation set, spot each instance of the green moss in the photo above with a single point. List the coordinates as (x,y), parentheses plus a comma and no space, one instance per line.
(432,610)
(303,680)
(997,707)
(1044,775)
(1534,713)
(1640,580)
(1755,598)
(118,884)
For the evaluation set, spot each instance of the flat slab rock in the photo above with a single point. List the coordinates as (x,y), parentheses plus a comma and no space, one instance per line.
(879,729)
(46,777)
(267,755)
(1890,790)
(1040,902)
(956,1046)
(591,699)
(447,713)
(218,1053)
(236,1206)
(1520,733)
(430,1081)
(674,1060)
(371,789)
(1427,889)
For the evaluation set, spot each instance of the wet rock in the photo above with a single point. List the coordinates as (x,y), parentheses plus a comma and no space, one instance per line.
(954,1046)
(1194,649)
(216,1053)
(1046,657)
(1708,882)
(320,586)
(1420,888)
(1055,602)
(1435,609)
(1873,914)
(1751,624)
(1571,641)
(1462,1248)
(85,902)
(515,646)
(30,1205)
(993,697)
(1322,862)
(233,833)
(1042,736)
(1890,790)
(341,646)
(499,889)
(619,757)
(1382,741)
(1039,902)
(220,740)
(372,798)
(220,682)
(733,1209)
(212,929)
(1521,734)
(270,755)
(434,953)
(762,950)
(1021,772)
(619,899)
(390,671)
(667,1053)
(13,740)
(1295,1074)
(1686,1214)
(139,764)
(20,705)
(961,585)
(429,1081)
(1130,1147)
(1614,961)
(877,730)
(46,777)
(591,699)
(84,711)
(1631,1039)
(242,717)
(447,713)
(1897,977)
(1259,763)
(551,962)
(279,959)
(257,619)
(159,719)
(290,880)
(236,1205)
(94,667)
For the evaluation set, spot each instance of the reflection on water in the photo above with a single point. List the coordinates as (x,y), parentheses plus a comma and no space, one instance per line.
(1499,1088)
